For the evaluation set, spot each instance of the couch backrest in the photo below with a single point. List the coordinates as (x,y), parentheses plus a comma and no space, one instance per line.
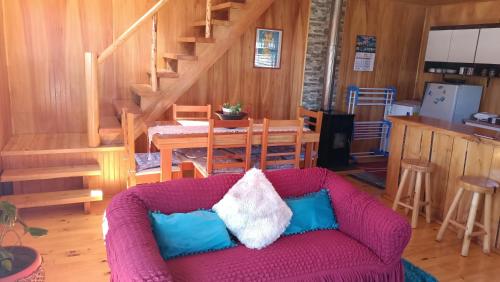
(187,195)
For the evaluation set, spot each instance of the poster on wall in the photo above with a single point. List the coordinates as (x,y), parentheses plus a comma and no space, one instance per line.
(366,49)
(268,48)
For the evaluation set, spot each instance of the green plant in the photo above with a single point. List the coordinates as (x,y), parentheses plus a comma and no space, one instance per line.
(8,220)
(233,109)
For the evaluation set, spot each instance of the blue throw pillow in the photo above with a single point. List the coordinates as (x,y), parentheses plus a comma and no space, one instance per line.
(311,212)
(181,234)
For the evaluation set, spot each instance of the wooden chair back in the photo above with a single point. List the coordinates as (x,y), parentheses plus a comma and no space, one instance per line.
(313,120)
(217,141)
(183,112)
(289,138)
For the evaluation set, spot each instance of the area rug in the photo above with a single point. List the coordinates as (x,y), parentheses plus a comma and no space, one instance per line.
(415,274)
(374,173)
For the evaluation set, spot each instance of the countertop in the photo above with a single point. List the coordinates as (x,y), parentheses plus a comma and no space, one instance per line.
(470,133)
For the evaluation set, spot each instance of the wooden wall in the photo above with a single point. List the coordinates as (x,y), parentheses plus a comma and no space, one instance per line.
(46,41)
(5,126)
(462,14)
(274,93)
(398,27)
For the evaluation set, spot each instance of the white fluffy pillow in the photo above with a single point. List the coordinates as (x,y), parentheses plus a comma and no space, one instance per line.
(253,211)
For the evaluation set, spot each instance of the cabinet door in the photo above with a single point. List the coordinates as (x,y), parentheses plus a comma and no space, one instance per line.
(463,46)
(488,48)
(438,46)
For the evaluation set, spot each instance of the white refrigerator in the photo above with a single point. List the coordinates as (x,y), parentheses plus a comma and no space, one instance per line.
(451,102)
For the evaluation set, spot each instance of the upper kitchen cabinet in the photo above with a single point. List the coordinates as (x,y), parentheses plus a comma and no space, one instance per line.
(463,46)
(438,45)
(488,49)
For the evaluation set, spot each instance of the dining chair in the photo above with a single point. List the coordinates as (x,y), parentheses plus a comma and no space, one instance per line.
(313,120)
(232,134)
(143,167)
(184,112)
(281,148)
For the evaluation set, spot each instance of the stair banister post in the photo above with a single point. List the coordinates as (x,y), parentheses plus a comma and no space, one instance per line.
(92,98)
(154,53)
(208,19)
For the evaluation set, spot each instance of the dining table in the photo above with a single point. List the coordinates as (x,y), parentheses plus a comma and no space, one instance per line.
(168,136)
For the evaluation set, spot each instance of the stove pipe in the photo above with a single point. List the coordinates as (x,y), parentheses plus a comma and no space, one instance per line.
(329,85)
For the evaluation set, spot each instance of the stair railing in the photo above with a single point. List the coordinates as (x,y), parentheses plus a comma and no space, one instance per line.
(208,19)
(92,62)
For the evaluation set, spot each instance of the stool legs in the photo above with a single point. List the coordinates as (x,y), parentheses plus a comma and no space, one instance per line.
(400,189)
(415,193)
(411,189)
(428,198)
(452,209)
(470,224)
(487,223)
(416,201)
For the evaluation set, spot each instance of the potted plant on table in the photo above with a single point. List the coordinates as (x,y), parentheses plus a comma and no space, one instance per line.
(18,263)
(230,111)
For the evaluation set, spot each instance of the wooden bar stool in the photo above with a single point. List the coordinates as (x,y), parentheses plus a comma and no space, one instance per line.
(478,186)
(419,169)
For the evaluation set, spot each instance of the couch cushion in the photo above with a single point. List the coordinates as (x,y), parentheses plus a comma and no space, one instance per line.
(253,211)
(301,257)
(311,212)
(181,234)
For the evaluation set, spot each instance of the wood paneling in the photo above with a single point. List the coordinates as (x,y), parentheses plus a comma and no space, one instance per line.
(5,125)
(273,93)
(454,155)
(472,12)
(398,28)
(439,2)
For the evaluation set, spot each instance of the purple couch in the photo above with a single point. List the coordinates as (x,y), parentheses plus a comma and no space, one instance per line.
(367,247)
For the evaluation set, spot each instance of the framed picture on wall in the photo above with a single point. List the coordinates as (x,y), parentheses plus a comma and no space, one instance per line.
(268,48)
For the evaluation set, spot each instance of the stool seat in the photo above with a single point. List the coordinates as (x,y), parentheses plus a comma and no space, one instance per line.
(478,184)
(417,165)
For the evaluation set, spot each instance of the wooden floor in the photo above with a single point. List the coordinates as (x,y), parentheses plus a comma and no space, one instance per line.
(74,250)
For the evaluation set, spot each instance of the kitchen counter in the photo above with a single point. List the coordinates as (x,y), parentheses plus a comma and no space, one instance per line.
(456,150)
(461,130)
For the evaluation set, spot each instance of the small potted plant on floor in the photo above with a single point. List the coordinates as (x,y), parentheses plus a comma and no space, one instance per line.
(18,263)
(231,112)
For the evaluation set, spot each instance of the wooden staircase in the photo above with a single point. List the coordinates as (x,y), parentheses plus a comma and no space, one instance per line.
(228,22)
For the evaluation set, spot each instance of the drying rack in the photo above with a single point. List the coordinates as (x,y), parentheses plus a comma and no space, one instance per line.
(371,129)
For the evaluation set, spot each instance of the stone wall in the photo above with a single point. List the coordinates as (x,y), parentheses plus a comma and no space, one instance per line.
(317,48)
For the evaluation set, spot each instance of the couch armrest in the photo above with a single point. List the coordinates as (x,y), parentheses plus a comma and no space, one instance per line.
(365,219)
(133,254)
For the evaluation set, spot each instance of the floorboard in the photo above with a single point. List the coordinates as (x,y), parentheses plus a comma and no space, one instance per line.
(74,250)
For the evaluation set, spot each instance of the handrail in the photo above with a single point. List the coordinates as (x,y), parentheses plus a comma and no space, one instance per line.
(208,19)
(154,54)
(121,39)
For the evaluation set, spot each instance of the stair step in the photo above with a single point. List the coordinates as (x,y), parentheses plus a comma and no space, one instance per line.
(128,104)
(163,73)
(214,22)
(143,90)
(109,124)
(192,39)
(227,5)
(26,174)
(53,198)
(110,131)
(185,57)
